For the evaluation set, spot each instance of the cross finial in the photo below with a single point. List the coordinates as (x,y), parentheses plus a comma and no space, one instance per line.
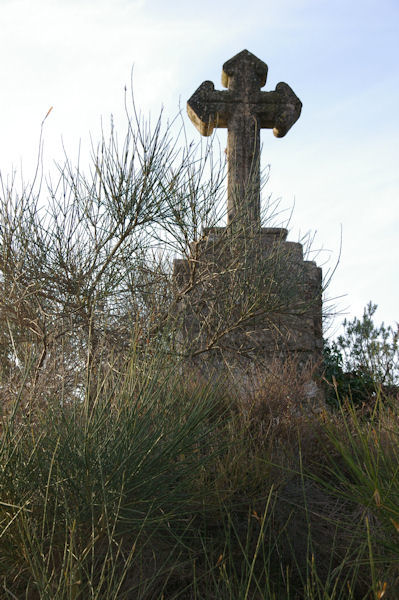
(244,109)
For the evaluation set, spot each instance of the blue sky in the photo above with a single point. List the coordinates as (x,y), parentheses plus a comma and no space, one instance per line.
(338,164)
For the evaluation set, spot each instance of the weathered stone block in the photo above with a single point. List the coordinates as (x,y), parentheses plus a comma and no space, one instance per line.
(248,300)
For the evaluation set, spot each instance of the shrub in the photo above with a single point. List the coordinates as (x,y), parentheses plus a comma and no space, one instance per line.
(362,359)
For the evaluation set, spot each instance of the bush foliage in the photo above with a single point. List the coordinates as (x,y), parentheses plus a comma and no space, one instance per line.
(363,359)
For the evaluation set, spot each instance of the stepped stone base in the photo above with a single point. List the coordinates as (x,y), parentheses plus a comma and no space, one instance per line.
(246,301)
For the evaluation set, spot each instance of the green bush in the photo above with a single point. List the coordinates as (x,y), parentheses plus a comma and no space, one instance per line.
(362,360)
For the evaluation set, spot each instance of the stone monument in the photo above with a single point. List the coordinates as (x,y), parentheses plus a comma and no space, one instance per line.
(246,295)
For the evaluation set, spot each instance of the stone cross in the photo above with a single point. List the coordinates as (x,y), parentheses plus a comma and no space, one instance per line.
(244,109)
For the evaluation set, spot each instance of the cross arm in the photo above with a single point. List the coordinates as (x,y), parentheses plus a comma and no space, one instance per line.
(207,108)
(287,109)
(278,110)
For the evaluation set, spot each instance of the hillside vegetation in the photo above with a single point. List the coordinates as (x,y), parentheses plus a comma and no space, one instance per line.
(124,473)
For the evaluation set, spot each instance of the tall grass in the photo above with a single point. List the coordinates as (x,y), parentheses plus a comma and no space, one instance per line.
(97,497)
(160,486)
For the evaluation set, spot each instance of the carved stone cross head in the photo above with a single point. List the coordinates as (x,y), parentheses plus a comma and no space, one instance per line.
(244,109)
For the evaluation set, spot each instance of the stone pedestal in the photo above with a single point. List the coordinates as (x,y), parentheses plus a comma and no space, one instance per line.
(248,300)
